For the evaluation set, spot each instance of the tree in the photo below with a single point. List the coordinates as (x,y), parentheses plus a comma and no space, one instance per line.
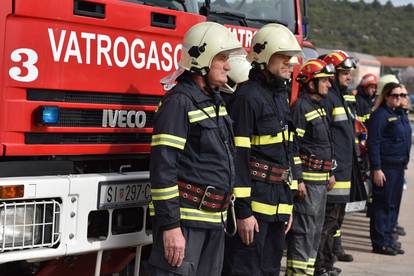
(376,4)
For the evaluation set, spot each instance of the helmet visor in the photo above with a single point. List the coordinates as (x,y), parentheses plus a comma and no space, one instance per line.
(348,64)
(327,71)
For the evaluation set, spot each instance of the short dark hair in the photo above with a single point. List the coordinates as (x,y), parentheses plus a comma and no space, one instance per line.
(389,87)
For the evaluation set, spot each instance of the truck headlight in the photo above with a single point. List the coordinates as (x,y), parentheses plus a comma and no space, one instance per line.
(18,226)
(28,224)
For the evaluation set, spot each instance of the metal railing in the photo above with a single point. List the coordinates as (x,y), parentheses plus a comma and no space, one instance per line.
(29,224)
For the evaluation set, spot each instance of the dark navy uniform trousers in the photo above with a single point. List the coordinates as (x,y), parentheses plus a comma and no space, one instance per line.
(385,205)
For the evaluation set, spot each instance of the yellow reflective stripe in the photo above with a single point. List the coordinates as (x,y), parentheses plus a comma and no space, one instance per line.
(392,119)
(285,209)
(270,210)
(199,215)
(164,193)
(300,132)
(338,111)
(342,185)
(297,264)
(314,114)
(294,185)
(242,192)
(269,139)
(242,142)
(349,98)
(309,176)
(297,160)
(290,135)
(264,208)
(310,271)
(151,209)
(168,140)
(364,118)
(338,233)
(199,115)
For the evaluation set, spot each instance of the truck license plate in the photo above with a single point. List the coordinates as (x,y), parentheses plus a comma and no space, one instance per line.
(115,195)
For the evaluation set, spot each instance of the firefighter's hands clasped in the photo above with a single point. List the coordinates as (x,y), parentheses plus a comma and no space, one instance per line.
(246,228)
(174,246)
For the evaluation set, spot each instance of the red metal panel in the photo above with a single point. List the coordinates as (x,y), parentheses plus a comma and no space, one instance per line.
(121,53)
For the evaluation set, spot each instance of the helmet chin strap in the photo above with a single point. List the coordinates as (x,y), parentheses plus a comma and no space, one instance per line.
(214,93)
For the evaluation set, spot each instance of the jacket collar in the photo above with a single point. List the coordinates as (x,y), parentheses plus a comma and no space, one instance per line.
(188,86)
(274,84)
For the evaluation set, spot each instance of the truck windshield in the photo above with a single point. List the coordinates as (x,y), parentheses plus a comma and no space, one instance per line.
(253,13)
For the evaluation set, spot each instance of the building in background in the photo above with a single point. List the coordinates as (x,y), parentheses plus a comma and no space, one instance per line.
(402,67)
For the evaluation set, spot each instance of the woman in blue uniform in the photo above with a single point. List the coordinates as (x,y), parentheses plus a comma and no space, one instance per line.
(388,149)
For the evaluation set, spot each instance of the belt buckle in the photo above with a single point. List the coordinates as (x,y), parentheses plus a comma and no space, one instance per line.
(207,192)
(334,164)
(289,177)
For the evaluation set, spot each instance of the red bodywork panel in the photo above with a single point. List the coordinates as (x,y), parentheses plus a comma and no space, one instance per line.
(48,49)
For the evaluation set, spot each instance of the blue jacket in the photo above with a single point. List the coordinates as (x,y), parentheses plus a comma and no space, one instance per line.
(389,138)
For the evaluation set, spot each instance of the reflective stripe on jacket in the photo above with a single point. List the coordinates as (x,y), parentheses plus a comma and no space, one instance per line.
(263,133)
(340,109)
(191,142)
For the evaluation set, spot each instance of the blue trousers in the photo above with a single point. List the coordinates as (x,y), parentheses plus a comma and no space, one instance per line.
(385,206)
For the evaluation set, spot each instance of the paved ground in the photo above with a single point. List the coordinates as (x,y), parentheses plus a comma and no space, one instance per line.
(356,241)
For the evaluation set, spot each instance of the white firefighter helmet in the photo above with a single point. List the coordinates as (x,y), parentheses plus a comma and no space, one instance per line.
(202,43)
(239,72)
(384,80)
(274,38)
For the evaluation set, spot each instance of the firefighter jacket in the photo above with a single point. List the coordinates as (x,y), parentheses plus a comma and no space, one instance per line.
(192,142)
(363,110)
(363,105)
(389,139)
(314,137)
(260,111)
(340,111)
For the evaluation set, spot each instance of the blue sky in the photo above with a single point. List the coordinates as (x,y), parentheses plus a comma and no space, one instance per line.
(396,2)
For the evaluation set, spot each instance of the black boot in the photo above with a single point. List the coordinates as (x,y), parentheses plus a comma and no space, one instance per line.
(340,252)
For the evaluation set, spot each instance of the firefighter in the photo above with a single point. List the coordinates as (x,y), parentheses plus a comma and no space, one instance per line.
(366,91)
(365,97)
(316,153)
(340,111)
(192,167)
(389,144)
(265,157)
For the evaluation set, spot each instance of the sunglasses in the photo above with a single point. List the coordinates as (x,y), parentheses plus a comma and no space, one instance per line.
(402,95)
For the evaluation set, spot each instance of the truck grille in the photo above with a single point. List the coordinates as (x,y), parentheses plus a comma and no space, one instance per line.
(70,117)
(90,97)
(87,138)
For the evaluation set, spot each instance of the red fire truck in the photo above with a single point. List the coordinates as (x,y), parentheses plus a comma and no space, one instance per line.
(79,86)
